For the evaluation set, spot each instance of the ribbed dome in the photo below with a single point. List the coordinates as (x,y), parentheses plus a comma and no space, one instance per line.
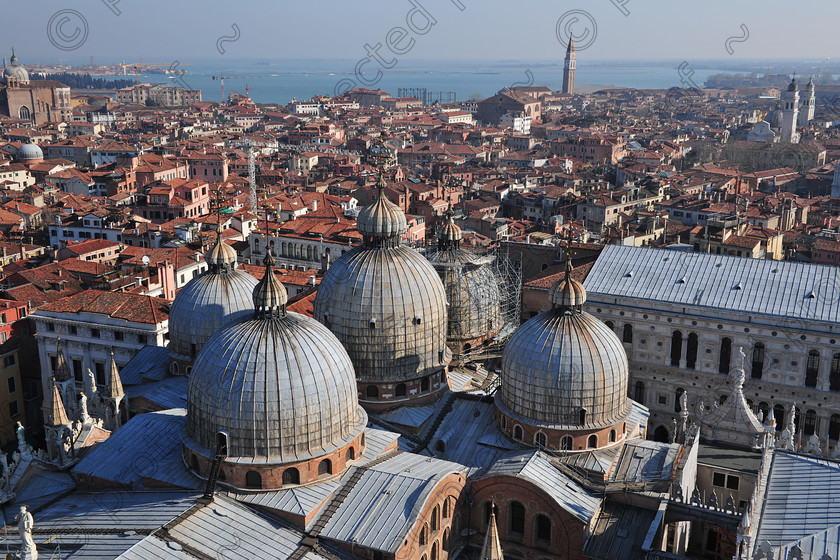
(472,291)
(381,221)
(561,362)
(283,389)
(792,86)
(388,308)
(206,304)
(29,151)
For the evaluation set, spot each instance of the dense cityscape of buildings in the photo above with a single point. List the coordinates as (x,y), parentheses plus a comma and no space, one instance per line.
(536,325)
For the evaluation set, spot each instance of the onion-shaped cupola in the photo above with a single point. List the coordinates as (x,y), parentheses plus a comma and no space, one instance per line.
(277,392)
(208,302)
(387,306)
(564,377)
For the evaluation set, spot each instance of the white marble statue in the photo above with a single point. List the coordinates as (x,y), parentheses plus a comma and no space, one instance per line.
(83,406)
(28,551)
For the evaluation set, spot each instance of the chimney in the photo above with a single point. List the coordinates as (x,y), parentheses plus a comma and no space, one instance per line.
(314,205)
(312,280)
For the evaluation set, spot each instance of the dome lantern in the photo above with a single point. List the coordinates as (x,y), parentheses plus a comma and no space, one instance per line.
(221,257)
(382,223)
(567,295)
(450,234)
(270,295)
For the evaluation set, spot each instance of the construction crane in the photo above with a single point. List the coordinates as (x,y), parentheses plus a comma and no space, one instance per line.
(222,78)
(249,145)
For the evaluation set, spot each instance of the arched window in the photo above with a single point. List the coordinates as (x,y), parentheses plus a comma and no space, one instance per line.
(566,443)
(661,434)
(424,385)
(812,368)
(517,432)
(435,551)
(677,403)
(639,394)
(291,476)
(691,352)
(676,348)
(543,528)
(592,442)
(628,333)
(24,113)
(582,416)
(764,409)
(610,324)
(372,392)
(440,446)
(517,518)
(222,443)
(725,356)
(834,427)
(253,480)
(350,455)
(758,362)
(446,508)
(612,436)
(436,518)
(400,390)
(445,540)
(424,535)
(834,375)
(194,463)
(540,439)
(325,468)
(779,413)
(810,422)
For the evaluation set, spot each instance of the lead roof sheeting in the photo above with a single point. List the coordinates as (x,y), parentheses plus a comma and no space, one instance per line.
(298,501)
(619,532)
(535,466)
(657,276)
(169,393)
(39,490)
(816,545)
(803,497)
(413,416)
(153,547)
(225,529)
(150,363)
(114,510)
(147,445)
(376,441)
(78,546)
(382,507)
(646,461)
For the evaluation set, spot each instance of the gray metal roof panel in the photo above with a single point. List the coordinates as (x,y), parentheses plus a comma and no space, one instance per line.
(802,498)
(744,285)
(535,466)
(150,363)
(168,393)
(149,446)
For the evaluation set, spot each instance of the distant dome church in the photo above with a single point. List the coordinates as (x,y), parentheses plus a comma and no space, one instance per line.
(36,101)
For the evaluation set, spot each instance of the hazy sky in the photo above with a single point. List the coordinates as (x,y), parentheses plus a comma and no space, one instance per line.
(187,30)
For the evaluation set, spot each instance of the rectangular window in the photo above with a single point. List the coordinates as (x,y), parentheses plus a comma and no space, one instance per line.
(118,335)
(50,327)
(77,371)
(13,409)
(94,333)
(12,385)
(100,373)
(9,360)
(73,329)
(719,479)
(141,338)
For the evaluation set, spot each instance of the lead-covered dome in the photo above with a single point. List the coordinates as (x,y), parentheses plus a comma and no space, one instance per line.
(279,386)
(565,369)
(29,152)
(208,302)
(387,306)
(473,290)
(15,70)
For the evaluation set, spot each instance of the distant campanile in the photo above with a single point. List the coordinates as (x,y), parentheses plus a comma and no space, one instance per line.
(569,68)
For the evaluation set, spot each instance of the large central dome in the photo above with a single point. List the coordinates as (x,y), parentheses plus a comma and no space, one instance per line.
(387,305)
(565,373)
(281,388)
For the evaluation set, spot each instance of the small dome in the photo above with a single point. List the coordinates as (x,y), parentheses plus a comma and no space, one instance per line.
(207,303)
(792,86)
(221,254)
(280,385)
(29,152)
(383,220)
(567,293)
(270,295)
(15,70)
(450,234)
